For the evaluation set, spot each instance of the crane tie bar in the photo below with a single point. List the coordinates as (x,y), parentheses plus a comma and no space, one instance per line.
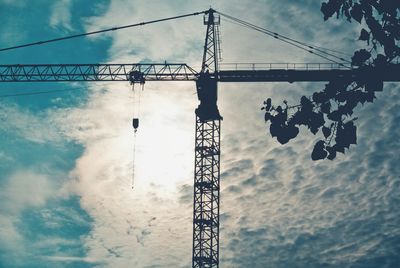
(101,31)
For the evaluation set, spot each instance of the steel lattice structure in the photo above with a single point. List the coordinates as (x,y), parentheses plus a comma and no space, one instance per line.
(207,155)
(183,72)
(96,72)
(206,194)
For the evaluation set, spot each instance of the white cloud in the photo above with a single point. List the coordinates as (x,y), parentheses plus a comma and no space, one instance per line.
(25,188)
(21,190)
(68,259)
(172,40)
(23,123)
(4,157)
(11,239)
(61,14)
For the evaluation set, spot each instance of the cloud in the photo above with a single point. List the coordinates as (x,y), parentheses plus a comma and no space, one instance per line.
(11,239)
(181,44)
(61,15)
(69,259)
(5,158)
(24,189)
(34,127)
(20,191)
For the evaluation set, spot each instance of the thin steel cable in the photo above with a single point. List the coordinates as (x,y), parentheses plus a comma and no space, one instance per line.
(309,51)
(134,135)
(133,160)
(135,131)
(285,37)
(296,43)
(36,93)
(101,31)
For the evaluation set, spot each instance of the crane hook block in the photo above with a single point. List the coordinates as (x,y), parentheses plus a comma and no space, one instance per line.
(135,123)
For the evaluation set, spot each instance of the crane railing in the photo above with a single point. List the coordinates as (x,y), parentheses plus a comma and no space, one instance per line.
(95,72)
(306,72)
(284,66)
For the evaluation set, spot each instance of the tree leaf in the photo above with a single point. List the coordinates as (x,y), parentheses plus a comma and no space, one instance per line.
(328,10)
(364,35)
(376,29)
(381,60)
(316,121)
(338,148)
(287,133)
(268,104)
(319,152)
(326,107)
(346,134)
(306,104)
(268,117)
(335,116)
(326,131)
(331,152)
(357,12)
(274,129)
(360,57)
(320,97)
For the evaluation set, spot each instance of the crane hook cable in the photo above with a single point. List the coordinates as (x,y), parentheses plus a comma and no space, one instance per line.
(102,31)
(135,114)
(133,160)
(298,44)
(134,137)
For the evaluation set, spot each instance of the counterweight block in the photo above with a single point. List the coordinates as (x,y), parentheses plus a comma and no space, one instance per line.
(207,93)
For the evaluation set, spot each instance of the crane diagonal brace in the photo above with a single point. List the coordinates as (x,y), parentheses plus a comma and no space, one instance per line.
(96,72)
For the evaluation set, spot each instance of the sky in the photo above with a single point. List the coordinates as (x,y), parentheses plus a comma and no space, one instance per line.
(66,158)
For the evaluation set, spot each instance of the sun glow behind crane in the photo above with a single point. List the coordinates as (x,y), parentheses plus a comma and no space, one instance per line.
(165,136)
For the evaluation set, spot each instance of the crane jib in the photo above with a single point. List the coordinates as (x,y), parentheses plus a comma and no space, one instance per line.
(182,72)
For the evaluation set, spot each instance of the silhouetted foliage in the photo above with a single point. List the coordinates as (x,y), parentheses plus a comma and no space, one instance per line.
(331,110)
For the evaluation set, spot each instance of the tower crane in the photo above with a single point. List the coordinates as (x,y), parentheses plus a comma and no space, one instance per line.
(206,205)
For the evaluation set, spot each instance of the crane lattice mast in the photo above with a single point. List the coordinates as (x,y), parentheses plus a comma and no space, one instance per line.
(207,154)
